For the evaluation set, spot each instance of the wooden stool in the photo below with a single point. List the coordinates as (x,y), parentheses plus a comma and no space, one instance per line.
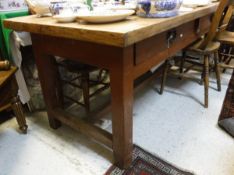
(9,97)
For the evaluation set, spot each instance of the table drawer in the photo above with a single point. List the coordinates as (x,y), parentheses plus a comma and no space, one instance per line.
(184,35)
(144,51)
(188,33)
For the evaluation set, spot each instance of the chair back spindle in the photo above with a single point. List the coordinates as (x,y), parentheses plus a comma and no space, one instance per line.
(214,24)
(227,18)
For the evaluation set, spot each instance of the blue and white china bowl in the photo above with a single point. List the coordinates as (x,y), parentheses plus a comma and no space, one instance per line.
(158,8)
(165,5)
(64,7)
(145,6)
(59,7)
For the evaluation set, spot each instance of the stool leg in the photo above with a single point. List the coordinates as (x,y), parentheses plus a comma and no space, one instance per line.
(18,110)
(206,79)
(217,70)
(164,76)
(85,89)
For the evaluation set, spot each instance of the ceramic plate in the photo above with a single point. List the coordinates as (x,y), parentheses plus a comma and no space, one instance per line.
(196,3)
(65,18)
(123,7)
(104,16)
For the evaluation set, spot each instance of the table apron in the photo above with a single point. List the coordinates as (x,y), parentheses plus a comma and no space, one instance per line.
(154,50)
(146,54)
(102,56)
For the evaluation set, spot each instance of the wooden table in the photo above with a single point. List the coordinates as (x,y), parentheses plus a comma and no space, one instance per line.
(127,49)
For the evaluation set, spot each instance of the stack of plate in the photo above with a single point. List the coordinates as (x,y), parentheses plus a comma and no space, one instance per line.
(96,16)
(104,16)
(65,18)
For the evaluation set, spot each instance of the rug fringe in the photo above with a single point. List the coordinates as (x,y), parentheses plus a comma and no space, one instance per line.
(166,161)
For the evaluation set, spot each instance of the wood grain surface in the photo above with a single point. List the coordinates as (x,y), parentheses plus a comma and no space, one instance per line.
(121,34)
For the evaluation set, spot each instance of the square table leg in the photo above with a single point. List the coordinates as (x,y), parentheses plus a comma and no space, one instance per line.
(121,78)
(119,61)
(49,79)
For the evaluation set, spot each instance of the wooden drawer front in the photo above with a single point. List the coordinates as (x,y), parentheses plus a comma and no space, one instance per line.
(188,33)
(144,51)
(185,35)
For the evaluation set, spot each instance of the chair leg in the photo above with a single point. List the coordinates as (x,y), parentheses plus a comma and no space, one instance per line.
(203,74)
(228,59)
(217,70)
(166,65)
(85,89)
(182,64)
(206,79)
(18,110)
(221,56)
(202,77)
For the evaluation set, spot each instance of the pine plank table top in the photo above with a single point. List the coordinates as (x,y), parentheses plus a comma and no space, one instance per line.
(121,34)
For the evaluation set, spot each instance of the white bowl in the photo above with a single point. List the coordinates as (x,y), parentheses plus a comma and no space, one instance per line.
(196,3)
(65,18)
(104,16)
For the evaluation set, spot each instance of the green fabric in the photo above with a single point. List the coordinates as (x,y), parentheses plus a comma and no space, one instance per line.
(5,33)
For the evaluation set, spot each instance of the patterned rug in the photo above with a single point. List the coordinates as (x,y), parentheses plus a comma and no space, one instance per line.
(145,163)
(226,118)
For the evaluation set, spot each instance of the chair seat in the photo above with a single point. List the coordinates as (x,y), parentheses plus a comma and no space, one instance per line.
(74,66)
(6,75)
(226,53)
(210,48)
(226,37)
(6,88)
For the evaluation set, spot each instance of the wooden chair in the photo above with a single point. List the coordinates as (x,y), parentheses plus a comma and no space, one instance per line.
(226,38)
(85,83)
(9,97)
(205,47)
